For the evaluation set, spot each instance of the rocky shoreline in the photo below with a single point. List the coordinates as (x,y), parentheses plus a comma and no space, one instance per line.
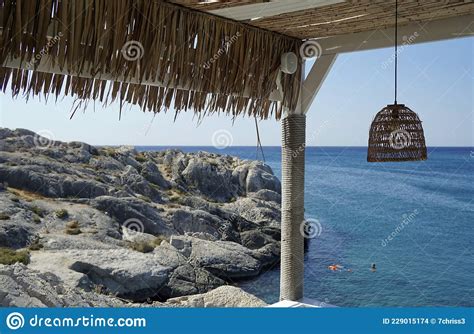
(110,226)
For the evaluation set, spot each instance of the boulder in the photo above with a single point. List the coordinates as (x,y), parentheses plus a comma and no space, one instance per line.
(254,239)
(15,236)
(23,287)
(151,173)
(225,259)
(127,274)
(130,210)
(39,179)
(133,236)
(185,221)
(162,274)
(210,179)
(262,213)
(185,278)
(267,195)
(259,177)
(224,296)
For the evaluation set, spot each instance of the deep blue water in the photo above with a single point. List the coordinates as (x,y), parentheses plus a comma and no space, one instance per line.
(428,261)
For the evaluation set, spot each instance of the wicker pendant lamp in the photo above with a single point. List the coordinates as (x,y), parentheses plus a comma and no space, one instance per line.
(396,133)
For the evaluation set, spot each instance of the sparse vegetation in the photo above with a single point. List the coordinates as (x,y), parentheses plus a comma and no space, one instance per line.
(176,195)
(140,157)
(142,247)
(175,198)
(37,210)
(4,216)
(72,224)
(35,245)
(100,289)
(145,198)
(36,219)
(26,195)
(62,213)
(109,151)
(11,256)
(73,231)
(147,247)
(72,228)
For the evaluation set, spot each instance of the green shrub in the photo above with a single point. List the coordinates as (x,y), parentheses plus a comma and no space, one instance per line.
(100,289)
(37,210)
(72,224)
(140,157)
(145,198)
(35,245)
(10,256)
(73,231)
(175,198)
(109,151)
(62,213)
(72,228)
(147,247)
(4,216)
(142,247)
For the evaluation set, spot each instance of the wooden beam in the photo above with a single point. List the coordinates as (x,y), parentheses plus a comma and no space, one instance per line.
(413,33)
(315,79)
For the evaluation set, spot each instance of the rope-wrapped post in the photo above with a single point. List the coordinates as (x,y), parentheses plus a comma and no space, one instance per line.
(292,207)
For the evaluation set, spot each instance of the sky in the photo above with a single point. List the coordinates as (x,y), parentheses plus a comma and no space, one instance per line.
(436,80)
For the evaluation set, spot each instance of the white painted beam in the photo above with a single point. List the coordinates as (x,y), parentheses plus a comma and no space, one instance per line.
(272,8)
(45,66)
(454,27)
(315,79)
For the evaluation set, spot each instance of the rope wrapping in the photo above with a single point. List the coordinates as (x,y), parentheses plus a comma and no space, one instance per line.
(292,210)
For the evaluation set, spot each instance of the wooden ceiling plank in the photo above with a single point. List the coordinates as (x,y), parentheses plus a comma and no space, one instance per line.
(269,9)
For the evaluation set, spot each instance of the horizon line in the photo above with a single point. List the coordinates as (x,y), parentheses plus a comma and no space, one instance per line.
(269,146)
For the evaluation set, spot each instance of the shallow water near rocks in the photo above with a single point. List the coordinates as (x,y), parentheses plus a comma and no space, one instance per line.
(413,220)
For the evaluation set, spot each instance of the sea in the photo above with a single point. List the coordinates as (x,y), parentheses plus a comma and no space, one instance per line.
(414,221)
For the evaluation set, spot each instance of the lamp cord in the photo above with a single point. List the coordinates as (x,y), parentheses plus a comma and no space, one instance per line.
(396,47)
(259,142)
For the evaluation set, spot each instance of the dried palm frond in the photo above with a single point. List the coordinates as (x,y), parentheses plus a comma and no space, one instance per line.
(149,53)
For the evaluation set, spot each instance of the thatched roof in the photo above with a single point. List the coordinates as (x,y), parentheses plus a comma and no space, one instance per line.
(150,53)
(186,54)
(325,18)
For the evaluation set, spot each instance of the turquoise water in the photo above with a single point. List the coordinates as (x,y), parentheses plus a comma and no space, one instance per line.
(426,208)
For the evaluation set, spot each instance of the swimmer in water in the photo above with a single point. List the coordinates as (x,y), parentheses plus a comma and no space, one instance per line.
(372,267)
